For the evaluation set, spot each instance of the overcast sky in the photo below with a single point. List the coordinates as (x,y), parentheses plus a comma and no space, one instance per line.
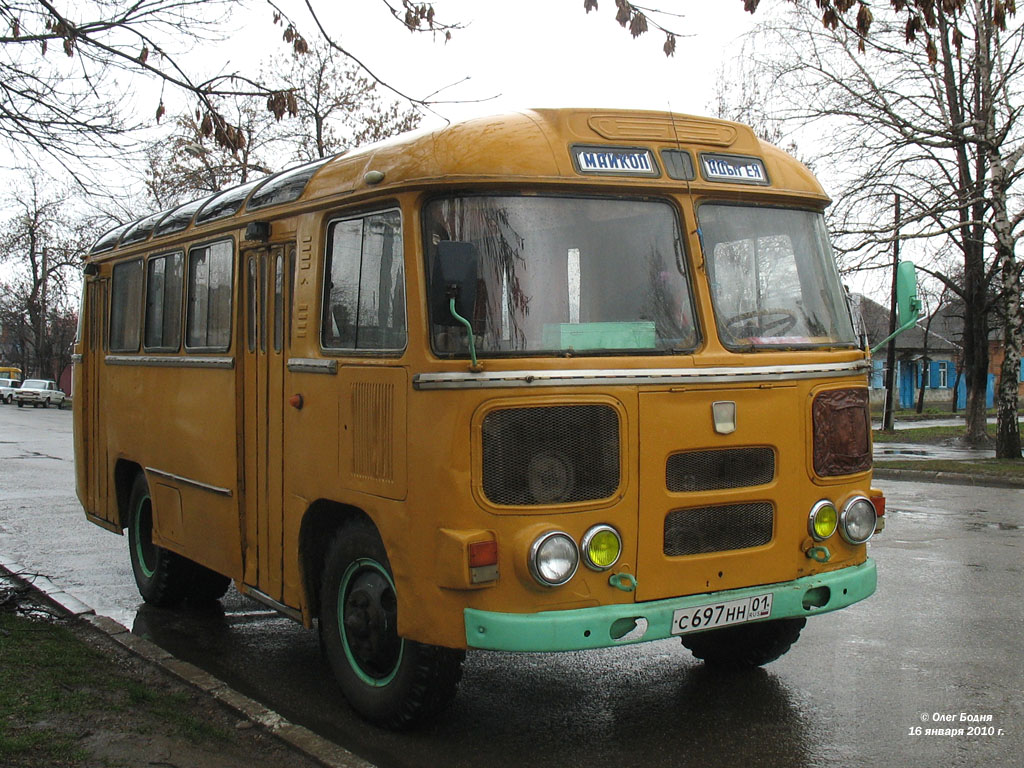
(531,53)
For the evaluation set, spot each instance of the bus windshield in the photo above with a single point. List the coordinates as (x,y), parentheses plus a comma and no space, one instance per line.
(566,275)
(773,279)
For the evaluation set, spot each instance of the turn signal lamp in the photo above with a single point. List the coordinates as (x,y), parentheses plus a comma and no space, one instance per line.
(823,520)
(483,561)
(483,553)
(601,547)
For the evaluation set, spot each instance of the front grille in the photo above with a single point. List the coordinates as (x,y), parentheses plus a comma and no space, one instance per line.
(719,469)
(718,529)
(550,455)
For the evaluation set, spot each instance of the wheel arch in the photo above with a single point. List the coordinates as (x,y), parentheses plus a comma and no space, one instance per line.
(319,523)
(125,472)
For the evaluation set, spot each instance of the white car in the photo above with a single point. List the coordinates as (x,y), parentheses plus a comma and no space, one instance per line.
(7,389)
(44,392)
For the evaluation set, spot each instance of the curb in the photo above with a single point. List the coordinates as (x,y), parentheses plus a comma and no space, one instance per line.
(951,478)
(299,737)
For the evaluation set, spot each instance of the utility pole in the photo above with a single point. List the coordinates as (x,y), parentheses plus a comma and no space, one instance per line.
(890,350)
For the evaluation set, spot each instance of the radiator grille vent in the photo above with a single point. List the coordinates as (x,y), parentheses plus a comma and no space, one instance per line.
(550,455)
(719,469)
(718,529)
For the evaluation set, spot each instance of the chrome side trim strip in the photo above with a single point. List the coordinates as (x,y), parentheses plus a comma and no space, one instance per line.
(188,481)
(622,377)
(270,602)
(172,361)
(312,365)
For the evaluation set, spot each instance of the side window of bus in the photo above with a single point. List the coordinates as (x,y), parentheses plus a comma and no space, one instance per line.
(126,306)
(364,284)
(208,320)
(163,302)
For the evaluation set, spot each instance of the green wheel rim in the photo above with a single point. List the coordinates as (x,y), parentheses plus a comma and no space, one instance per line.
(144,536)
(361,576)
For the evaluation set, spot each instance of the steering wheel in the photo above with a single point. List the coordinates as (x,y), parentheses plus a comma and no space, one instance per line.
(782,320)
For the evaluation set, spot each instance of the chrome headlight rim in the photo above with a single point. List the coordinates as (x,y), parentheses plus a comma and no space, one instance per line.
(815,511)
(535,551)
(589,536)
(844,520)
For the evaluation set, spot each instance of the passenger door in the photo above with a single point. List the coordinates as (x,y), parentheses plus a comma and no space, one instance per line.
(98,502)
(263,361)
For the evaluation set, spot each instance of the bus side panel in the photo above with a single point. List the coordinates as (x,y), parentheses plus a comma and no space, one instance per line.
(195,454)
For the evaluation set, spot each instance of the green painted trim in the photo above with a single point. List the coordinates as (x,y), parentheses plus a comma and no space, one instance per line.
(357,669)
(583,628)
(139,543)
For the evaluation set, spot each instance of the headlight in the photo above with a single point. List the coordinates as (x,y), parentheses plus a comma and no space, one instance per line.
(601,547)
(823,520)
(857,520)
(554,558)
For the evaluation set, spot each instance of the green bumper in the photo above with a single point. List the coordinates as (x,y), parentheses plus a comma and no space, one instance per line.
(605,625)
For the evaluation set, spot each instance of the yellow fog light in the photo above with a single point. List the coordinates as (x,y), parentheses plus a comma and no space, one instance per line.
(823,520)
(601,547)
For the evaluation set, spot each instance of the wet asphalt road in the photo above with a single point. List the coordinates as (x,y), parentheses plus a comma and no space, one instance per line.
(943,636)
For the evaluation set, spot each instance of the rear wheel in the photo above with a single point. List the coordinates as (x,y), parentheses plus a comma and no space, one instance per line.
(387,679)
(159,573)
(746,645)
(165,578)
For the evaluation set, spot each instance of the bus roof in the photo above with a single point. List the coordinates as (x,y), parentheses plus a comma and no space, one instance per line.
(588,146)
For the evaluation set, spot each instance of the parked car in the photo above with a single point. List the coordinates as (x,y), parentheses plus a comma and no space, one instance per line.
(7,389)
(44,392)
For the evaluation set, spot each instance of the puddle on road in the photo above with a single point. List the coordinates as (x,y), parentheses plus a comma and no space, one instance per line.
(973,525)
(35,455)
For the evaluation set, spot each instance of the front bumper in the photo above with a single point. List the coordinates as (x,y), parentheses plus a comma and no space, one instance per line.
(583,628)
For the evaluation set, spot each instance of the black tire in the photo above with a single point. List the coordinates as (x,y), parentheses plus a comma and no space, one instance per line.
(205,586)
(60,405)
(21,404)
(746,645)
(161,575)
(387,679)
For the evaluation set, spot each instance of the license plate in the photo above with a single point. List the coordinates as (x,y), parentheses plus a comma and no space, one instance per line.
(714,615)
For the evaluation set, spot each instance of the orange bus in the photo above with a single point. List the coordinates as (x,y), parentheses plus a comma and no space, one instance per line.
(555,380)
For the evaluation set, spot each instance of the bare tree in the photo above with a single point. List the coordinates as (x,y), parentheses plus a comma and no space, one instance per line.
(920,18)
(67,73)
(43,246)
(336,106)
(905,120)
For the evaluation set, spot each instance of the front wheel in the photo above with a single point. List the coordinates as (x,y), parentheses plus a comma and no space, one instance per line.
(745,645)
(387,679)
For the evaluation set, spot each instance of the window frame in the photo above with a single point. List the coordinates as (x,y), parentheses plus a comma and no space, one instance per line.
(139,309)
(684,264)
(794,206)
(181,303)
(362,215)
(186,306)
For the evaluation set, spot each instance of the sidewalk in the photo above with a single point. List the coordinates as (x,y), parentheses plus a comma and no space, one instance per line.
(222,727)
(923,451)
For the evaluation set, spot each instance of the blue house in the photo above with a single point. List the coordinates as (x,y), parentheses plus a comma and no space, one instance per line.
(928,355)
